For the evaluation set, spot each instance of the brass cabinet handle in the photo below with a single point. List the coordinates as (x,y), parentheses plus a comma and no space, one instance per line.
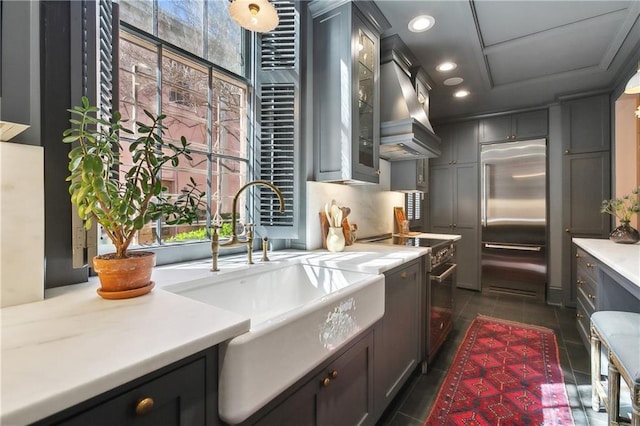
(579,315)
(591,296)
(333,374)
(579,281)
(567,151)
(578,255)
(589,265)
(144,406)
(567,230)
(325,382)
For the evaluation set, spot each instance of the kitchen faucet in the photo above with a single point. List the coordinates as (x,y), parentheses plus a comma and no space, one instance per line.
(234,240)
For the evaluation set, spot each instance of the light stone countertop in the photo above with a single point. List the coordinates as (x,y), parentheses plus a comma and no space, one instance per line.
(75,345)
(622,258)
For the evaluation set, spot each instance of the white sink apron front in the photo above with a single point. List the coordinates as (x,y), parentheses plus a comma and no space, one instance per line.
(300,315)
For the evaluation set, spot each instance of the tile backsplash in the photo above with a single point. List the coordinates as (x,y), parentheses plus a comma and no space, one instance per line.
(371,205)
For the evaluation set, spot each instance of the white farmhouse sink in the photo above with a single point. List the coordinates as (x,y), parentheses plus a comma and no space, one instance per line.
(299,313)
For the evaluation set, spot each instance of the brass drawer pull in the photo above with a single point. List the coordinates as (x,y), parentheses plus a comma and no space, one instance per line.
(579,315)
(144,406)
(333,374)
(579,281)
(591,296)
(325,382)
(589,265)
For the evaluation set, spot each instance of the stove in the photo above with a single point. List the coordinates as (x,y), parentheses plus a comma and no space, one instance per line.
(439,285)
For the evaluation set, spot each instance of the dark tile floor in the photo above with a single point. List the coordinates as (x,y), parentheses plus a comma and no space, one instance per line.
(413,403)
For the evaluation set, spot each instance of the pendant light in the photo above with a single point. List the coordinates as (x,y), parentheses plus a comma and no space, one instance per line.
(633,86)
(255,15)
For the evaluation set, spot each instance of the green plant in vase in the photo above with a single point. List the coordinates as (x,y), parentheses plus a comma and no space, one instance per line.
(623,208)
(124,201)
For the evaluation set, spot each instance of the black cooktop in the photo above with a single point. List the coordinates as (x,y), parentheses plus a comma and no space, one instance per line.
(411,241)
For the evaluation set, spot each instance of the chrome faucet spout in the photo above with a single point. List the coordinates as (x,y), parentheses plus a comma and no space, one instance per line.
(234,240)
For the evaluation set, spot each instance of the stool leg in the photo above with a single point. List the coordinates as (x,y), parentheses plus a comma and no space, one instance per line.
(595,370)
(635,404)
(613,393)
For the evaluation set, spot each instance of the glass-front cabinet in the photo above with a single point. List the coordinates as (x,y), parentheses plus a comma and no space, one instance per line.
(367,99)
(346,93)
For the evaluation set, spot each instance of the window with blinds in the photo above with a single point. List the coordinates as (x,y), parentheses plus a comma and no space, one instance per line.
(413,202)
(278,82)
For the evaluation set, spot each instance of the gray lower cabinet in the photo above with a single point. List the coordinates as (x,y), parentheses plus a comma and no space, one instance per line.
(184,393)
(338,393)
(453,209)
(524,125)
(397,334)
(599,288)
(356,385)
(586,273)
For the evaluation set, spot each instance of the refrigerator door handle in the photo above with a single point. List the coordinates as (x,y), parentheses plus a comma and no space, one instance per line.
(520,248)
(485,180)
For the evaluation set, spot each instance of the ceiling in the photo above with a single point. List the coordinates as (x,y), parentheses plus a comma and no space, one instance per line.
(519,54)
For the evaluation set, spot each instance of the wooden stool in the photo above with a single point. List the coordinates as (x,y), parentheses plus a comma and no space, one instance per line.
(619,332)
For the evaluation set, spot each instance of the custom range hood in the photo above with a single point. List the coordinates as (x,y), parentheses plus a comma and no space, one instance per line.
(405,131)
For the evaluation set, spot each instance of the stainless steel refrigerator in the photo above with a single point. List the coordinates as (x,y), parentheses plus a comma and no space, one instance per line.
(513,211)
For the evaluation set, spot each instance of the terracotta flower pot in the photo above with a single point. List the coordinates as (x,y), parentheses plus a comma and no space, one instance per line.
(124,278)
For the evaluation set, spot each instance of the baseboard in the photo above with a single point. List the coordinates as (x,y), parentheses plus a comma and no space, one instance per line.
(554,296)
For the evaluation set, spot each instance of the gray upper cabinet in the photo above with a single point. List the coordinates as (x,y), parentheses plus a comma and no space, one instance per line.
(459,143)
(586,125)
(410,175)
(346,92)
(525,125)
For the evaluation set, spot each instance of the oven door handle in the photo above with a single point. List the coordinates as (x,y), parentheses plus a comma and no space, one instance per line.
(505,247)
(443,276)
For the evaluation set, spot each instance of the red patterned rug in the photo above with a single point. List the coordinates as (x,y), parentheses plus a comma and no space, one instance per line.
(504,373)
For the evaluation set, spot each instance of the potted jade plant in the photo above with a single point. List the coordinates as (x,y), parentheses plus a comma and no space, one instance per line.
(123,199)
(623,208)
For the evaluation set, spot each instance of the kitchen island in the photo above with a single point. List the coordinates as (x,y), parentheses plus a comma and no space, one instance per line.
(607,279)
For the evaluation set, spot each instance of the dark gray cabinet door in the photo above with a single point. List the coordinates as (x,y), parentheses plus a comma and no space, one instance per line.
(495,129)
(185,393)
(397,338)
(346,140)
(468,252)
(441,197)
(445,132)
(586,182)
(465,142)
(586,125)
(524,125)
(410,175)
(453,197)
(348,397)
(465,196)
(532,124)
(341,394)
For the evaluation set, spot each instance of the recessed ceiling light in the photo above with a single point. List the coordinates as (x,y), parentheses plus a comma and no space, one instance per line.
(461,93)
(421,23)
(446,66)
(453,81)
